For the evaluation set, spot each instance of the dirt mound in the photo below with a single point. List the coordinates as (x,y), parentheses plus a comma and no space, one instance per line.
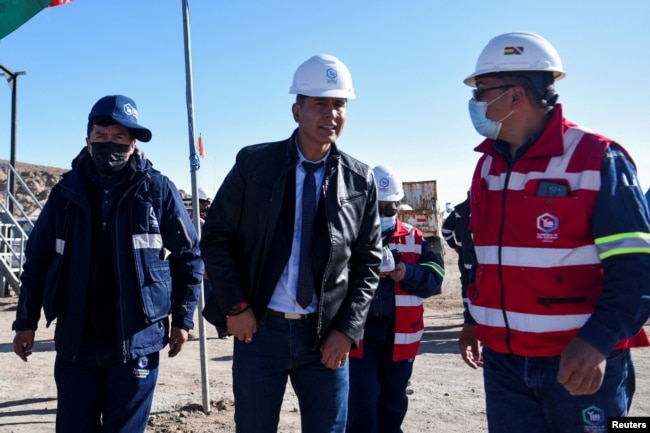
(39,179)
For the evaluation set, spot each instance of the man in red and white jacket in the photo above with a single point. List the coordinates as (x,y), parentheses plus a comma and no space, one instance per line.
(562,239)
(381,365)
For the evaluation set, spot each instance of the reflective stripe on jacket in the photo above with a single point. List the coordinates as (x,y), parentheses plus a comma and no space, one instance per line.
(409,308)
(539,274)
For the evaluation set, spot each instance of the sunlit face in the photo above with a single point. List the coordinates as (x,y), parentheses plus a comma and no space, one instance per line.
(320,120)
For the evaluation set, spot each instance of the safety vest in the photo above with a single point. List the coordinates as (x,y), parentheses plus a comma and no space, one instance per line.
(409,309)
(539,271)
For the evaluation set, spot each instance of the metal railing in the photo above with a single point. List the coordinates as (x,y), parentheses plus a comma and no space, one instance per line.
(15,226)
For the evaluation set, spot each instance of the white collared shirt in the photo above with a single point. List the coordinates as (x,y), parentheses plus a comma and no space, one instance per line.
(284,294)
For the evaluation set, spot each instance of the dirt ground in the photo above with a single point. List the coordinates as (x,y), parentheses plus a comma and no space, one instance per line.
(445,394)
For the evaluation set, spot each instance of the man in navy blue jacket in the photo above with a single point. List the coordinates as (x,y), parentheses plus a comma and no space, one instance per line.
(112,254)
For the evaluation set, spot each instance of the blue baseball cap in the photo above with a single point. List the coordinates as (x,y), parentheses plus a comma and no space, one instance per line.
(124,111)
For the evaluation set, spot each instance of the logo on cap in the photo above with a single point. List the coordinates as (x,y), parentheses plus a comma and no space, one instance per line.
(130,110)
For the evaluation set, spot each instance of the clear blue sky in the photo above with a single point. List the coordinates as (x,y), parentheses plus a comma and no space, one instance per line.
(407,59)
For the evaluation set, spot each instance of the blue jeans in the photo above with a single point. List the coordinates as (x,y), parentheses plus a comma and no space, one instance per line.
(523,394)
(97,394)
(283,349)
(378,400)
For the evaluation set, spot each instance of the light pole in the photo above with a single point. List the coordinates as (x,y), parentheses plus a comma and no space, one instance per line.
(12,79)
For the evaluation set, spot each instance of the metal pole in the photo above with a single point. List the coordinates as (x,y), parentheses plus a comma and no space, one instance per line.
(194,166)
(12,79)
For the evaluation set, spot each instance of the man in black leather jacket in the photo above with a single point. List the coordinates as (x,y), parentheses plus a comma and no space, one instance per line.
(251,248)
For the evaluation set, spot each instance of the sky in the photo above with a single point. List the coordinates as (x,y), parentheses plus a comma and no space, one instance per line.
(407,58)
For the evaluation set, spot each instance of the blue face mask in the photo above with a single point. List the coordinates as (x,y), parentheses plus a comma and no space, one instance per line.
(478,113)
(387,223)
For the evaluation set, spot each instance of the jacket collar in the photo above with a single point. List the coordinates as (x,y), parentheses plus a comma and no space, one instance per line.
(400,229)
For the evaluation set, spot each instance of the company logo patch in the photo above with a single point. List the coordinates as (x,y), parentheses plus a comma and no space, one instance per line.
(332,75)
(130,110)
(141,371)
(508,51)
(594,419)
(143,361)
(547,223)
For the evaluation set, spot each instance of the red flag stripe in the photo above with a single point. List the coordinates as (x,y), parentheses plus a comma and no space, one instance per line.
(58,3)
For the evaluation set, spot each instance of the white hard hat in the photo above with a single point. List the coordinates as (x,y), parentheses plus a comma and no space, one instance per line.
(323,75)
(389,184)
(204,194)
(517,52)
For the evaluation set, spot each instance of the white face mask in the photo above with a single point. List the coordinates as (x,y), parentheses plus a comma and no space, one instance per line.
(478,113)
(387,223)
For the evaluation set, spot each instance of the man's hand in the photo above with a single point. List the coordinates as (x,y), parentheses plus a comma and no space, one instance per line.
(242,326)
(582,368)
(23,343)
(335,350)
(398,273)
(470,348)
(177,339)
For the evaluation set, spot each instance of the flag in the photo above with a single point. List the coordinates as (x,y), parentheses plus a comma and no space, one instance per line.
(14,13)
(199,146)
(58,3)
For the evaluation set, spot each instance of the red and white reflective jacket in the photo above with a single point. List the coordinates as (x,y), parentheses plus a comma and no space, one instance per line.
(539,270)
(409,310)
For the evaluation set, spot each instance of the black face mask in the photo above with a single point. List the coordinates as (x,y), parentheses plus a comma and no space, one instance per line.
(110,158)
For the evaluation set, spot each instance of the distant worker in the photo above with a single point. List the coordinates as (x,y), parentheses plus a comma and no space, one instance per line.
(205,200)
(381,366)
(113,254)
(455,231)
(562,238)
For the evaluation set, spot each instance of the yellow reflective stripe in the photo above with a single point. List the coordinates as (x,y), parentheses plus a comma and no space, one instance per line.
(536,323)
(436,267)
(623,243)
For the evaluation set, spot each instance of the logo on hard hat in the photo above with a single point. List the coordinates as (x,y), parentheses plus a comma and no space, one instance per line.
(331,75)
(130,110)
(513,50)
(384,184)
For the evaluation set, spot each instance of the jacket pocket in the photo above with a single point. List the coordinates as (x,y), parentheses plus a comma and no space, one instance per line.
(156,292)
(54,290)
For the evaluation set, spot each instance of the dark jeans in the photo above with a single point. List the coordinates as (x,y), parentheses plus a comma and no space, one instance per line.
(523,394)
(96,394)
(286,349)
(378,400)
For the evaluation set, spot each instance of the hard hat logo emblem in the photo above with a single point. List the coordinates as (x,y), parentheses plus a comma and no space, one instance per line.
(331,75)
(513,50)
